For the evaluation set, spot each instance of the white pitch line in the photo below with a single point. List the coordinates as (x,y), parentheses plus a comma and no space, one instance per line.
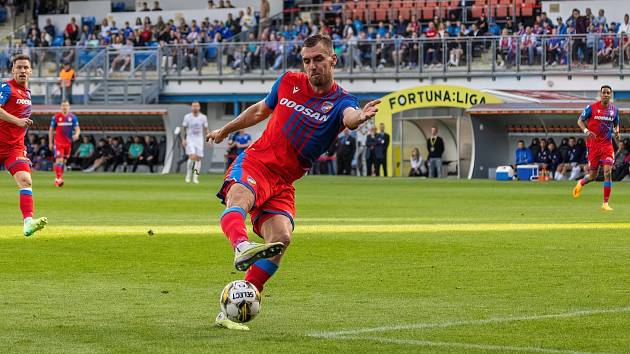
(350,332)
(485,347)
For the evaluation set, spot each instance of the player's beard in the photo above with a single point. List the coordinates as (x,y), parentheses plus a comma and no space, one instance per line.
(320,80)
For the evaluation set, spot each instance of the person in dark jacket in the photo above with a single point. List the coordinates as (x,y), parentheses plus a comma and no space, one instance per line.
(555,159)
(370,156)
(542,158)
(534,147)
(435,146)
(345,152)
(383,143)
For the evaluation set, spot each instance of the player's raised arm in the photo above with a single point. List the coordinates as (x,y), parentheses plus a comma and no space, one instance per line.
(253,115)
(22,123)
(352,118)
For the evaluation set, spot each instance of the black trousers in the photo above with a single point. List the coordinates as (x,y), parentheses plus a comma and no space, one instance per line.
(344,165)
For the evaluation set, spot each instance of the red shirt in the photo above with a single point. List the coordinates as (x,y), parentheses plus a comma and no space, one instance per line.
(302,127)
(15,99)
(600,120)
(64,126)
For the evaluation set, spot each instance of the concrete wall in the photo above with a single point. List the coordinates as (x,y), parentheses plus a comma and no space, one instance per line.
(491,145)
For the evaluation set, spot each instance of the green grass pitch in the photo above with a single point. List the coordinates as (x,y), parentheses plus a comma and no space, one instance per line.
(376,266)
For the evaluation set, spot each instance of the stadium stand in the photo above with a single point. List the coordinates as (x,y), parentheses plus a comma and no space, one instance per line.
(131,59)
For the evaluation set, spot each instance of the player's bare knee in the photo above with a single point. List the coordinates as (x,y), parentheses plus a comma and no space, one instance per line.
(239,196)
(283,236)
(24,181)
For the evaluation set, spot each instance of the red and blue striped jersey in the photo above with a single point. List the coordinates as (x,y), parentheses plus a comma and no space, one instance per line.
(302,127)
(15,99)
(600,120)
(64,126)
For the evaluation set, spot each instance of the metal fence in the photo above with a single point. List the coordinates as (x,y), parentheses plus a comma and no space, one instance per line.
(489,56)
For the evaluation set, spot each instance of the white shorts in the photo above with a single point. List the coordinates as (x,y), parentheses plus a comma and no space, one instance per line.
(194,148)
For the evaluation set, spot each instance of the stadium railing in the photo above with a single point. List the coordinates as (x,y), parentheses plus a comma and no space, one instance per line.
(369,59)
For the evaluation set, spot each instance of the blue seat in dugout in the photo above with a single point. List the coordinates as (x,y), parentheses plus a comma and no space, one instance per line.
(3,15)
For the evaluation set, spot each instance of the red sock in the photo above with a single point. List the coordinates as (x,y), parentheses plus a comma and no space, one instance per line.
(59,170)
(233,225)
(607,189)
(26,202)
(260,272)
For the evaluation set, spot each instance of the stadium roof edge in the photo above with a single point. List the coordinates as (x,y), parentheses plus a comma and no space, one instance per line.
(560,108)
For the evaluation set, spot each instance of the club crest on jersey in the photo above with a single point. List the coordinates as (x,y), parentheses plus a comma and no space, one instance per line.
(309,112)
(327,106)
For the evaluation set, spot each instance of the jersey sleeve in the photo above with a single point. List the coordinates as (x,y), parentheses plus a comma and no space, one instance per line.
(5,93)
(586,113)
(185,123)
(75,122)
(205,121)
(272,98)
(53,122)
(349,101)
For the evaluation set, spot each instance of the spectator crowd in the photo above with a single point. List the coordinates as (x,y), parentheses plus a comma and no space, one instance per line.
(257,43)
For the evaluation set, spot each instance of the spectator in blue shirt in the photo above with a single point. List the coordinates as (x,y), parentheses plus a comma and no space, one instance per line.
(243,141)
(523,154)
(562,28)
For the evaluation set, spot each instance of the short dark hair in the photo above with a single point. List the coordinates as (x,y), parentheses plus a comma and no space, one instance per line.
(605,86)
(521,141)
(20,57)
(317,38)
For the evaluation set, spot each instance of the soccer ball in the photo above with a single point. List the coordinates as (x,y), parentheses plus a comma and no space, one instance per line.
(240,301)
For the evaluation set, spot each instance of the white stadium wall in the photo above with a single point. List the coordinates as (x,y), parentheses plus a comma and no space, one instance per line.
(171,8)
(577,84)
(60,21)
(613,9)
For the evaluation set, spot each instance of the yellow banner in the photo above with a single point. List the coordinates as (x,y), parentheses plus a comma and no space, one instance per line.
(423,97)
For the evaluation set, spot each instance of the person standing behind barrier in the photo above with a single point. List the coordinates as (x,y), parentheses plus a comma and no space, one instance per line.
(66,79)
(361,150)
(383,142)
(370,155)
(345,152)
(435,146)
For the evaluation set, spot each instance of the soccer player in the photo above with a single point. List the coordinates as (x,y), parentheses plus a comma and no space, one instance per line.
(195,128)
(599,121)
(309,110)
(15,113)
(64,129)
